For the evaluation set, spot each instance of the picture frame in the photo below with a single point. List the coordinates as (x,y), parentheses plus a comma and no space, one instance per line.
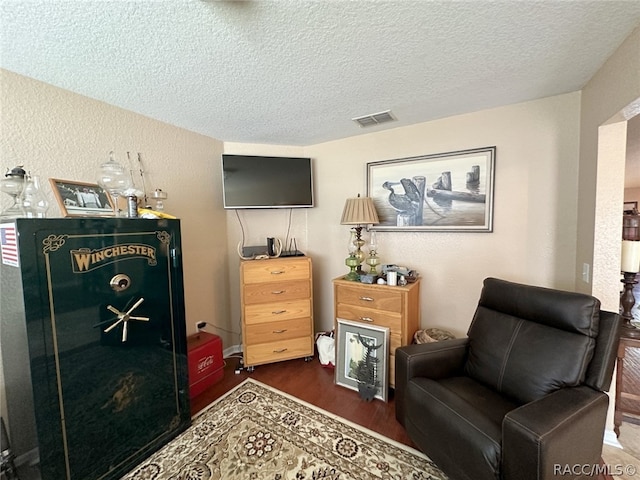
(82,199)
(349,351)
(629,207)
(442,192)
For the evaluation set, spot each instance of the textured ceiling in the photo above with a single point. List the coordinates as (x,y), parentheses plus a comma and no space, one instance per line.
(296,72)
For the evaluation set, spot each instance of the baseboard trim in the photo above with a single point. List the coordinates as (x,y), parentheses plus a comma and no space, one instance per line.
(611,439)
(232,350)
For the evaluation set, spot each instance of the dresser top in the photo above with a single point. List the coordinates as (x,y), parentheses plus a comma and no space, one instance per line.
(342,281)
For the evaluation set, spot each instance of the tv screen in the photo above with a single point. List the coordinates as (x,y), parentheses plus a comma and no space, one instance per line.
(250,181)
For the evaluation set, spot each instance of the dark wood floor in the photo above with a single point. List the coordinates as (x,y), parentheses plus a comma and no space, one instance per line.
(313,383)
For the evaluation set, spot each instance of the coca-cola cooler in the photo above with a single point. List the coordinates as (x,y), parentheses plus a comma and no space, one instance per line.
(93,341)
(206,365)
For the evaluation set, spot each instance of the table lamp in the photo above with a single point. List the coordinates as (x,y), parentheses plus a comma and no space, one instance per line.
(630,266)
(359,211)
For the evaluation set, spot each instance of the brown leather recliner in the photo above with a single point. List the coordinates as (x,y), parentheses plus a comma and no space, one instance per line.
(522,397)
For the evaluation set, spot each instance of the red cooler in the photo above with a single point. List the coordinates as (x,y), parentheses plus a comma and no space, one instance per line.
(206,365)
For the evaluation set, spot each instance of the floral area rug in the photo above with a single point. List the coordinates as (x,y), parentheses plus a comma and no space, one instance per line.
(257,432)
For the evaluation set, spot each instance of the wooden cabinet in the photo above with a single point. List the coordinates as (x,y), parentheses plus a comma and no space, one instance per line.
(622,394)
(395,307)
(277,310)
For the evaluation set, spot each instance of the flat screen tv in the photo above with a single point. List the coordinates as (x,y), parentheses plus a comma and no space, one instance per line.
(250,181)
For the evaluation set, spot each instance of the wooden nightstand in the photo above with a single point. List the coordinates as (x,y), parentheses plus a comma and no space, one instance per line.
(395,307)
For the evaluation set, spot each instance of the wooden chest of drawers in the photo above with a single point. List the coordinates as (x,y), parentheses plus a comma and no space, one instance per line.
(395,307)
(277,310)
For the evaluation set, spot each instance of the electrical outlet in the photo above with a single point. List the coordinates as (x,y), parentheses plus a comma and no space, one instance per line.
(200,325)
(585,272)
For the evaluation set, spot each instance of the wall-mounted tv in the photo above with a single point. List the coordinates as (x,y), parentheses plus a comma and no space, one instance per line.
(250,181)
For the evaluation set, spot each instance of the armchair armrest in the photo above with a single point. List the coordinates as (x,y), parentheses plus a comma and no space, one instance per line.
(556,432)
(431,360)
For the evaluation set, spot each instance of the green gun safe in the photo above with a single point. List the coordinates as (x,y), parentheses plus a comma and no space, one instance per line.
(93,342)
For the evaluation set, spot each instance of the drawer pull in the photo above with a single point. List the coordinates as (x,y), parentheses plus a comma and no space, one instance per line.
(277,292)
(277,272)
(366,299)
(278,312)
(280,350)
(366,319)
(280,331)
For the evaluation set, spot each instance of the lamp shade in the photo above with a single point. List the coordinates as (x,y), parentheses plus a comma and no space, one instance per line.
(359,211)
(630,256)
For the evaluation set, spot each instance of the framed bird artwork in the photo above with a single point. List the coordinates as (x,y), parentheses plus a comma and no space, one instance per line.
(443,192)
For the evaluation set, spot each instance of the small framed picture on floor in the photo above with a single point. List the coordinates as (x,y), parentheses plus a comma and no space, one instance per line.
(362,359)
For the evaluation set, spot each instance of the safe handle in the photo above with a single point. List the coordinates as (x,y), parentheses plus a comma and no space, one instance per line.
(124,318)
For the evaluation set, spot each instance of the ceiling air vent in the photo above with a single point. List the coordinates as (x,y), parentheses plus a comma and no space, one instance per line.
(374,119)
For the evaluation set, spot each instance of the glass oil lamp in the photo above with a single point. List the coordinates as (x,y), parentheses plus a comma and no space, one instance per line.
(13,184)
(373,261)
(352,262)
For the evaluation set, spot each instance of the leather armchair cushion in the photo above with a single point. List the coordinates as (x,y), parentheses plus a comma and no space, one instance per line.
(517,333)
(520,358)
(459,422)
(570,311)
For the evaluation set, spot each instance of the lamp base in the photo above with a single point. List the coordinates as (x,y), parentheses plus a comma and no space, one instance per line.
(352,276)
(627,301)
(352,262)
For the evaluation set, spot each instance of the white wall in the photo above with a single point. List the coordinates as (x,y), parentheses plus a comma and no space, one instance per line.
(534,208)
(632,195)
